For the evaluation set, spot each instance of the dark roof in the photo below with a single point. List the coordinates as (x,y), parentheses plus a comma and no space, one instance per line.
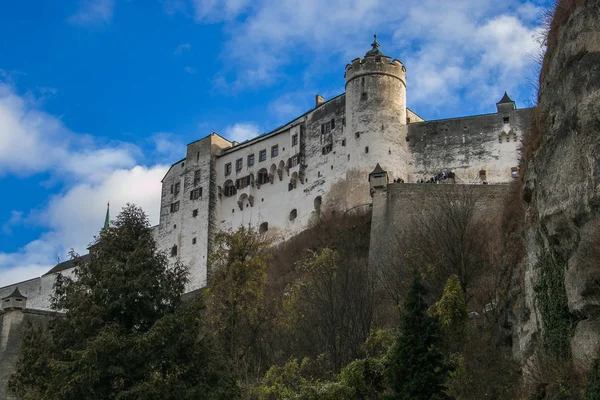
(505,99)
(374,52)
(67,264)
(15,293)
(377,169)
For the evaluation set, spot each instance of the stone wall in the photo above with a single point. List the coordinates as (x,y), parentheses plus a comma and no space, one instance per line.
(12,328)
(468,145)
(395,206)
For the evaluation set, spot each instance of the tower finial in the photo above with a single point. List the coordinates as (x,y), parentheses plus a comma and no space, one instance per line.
(375,50)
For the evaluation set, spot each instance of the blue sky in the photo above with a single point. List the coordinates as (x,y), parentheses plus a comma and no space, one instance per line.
(98,97)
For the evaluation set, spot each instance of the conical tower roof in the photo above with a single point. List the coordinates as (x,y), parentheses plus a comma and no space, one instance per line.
(505,99)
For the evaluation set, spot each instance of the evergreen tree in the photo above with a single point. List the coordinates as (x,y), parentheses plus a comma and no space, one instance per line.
(122,331)
(417,368)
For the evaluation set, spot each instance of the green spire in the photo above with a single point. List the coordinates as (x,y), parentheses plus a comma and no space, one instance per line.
(107,218)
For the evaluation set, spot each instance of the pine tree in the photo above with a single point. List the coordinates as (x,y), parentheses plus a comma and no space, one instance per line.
(417,368)
(123,331)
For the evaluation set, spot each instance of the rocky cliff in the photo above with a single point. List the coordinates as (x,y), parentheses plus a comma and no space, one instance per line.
(559,281)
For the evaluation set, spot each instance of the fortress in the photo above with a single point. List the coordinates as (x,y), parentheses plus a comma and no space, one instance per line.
(333,158)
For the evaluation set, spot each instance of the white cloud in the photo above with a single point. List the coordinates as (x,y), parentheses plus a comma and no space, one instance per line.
(93,12)
(241,132)
(218,10)
(32,141)
(73,218)
(190,70)
(182,48)
(451,49)
(168,146)
(15,218)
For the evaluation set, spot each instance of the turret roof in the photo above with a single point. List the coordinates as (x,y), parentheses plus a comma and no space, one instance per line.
(377,169)
(374,52)
(15,293)
(505,99)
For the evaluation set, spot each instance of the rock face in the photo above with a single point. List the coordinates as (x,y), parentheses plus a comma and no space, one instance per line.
(562,187)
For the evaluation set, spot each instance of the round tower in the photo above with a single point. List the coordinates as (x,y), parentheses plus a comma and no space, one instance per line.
(375,122)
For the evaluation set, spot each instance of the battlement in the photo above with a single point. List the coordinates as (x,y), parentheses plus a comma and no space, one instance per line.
(378,65)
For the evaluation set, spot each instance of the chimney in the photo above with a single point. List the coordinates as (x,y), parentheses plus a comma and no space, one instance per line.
(319,100)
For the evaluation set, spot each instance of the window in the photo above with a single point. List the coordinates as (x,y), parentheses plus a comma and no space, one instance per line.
(193,240)
(327,126)
(263,176)
(366,149)
(262,155)
(344,142)
(171,189)
(263,227)
(251,160)
(505,120)
(239,163)
(514,172)
(364,96)
(274,151)
(227,169)
(177,188)
(175,207)
(294,139)
(327,149)
(242,182)
(408,120)
(195,213)
(482,175)
(196,177)
(229,189)
(293,214)
(196,194)
(294,161)
(357,134)
(174,251)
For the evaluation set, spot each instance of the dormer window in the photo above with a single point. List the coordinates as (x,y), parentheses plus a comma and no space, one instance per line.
(506,120)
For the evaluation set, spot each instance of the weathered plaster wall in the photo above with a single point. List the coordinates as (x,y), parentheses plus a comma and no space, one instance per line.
(181,228)
(468,145)
(317,174)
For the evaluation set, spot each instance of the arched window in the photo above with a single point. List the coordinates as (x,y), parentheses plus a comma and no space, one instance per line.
(293,214)
(263,227)
(229,188)
(317,203)
(263,176)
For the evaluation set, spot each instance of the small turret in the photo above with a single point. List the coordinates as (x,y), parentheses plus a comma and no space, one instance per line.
(506,104)
(378,177)
(14,301)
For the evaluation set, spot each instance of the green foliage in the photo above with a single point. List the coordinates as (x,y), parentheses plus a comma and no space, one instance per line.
(292,381)
(451,310)
(379,341)
(329,308)
(361,379)
(593,386)
(417,368)
(553,304)
(124,333)
(236,298)
(365,378)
